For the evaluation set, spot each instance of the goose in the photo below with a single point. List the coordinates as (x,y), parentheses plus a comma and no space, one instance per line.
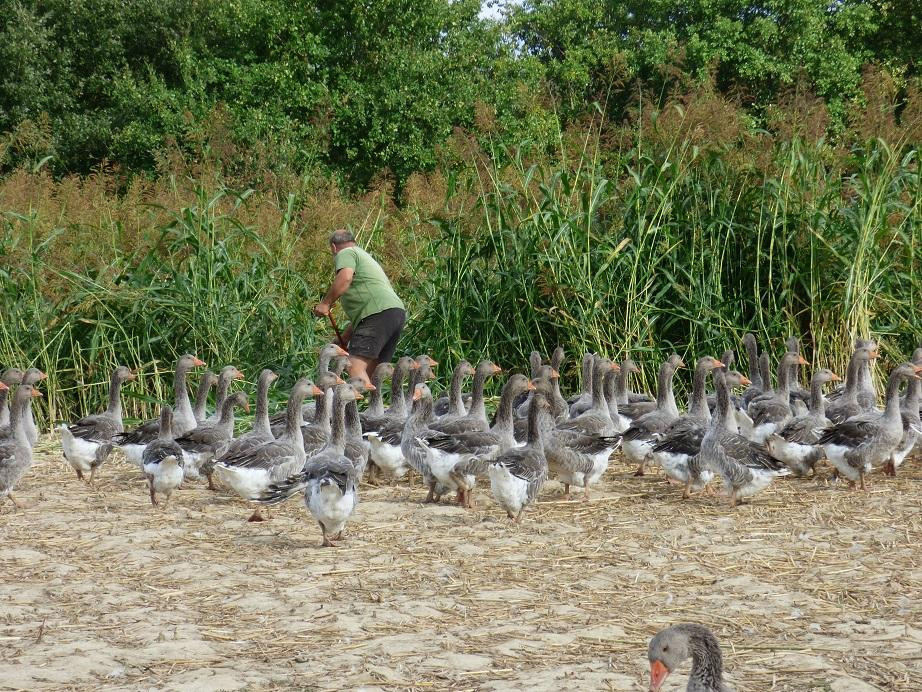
(413,451)
(325,356)
(397,410)
(674,463)
(382,373)
(205,385)
(670,647)
(578,458)
(867,393)
(846,404)
(639,439)
(88,442)
(517,475)
(476,418)
(796,443)
(162,460)
(325,380)
(597,418)
(16,450)
(225,377)
(583,400)
(745,471)
(31,377)
(10,377)
(771,410)
(622,388)
(386,449)
(758,385)
(798,393)
(133,442)
(912,424)
(456,460)
(327,480)
(356,447)
(201,445)
(250,472)
(261,431)
(452,406)
(520,405)
(855,445)
(544,382)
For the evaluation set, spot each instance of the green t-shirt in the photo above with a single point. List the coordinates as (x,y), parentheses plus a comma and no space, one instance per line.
(370,291)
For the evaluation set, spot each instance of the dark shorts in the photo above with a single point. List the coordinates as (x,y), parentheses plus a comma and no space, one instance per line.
(376,336)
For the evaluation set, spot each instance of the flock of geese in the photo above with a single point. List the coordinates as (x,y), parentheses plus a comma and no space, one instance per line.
(747,432)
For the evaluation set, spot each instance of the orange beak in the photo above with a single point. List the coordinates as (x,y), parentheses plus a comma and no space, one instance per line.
(718,364)
(917,368)
(42,376)
(3,387)
(238,375)
(36,394)
(131,376)
(745,380)
(246,406)
(358,396)
(554,374)
(530,387)
(616,367)
(370,387)
(417,394)
(197,362)
(415,366)
(340,351)
(497,369)
(875,353)
(316,391)
(340,380)
(835,378)
(433,362)
(802,361)
(658,673)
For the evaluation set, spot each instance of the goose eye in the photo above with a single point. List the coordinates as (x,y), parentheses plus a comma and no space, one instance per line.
(665,648)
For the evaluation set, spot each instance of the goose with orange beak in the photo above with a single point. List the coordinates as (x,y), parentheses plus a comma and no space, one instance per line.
(670,647)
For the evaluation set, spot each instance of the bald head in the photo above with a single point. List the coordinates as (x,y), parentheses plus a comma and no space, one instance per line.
(341,236)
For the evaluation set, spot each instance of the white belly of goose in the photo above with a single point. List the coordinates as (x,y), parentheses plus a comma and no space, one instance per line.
(328,506)
(760,481)
(249,483)
(193,462)
(510,492)
(80,453)
(167,475)
(134,453)
(760,432)
(637,450)
(836,455)
(387,457)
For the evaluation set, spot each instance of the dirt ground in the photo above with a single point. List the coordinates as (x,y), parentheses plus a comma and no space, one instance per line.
(809,587)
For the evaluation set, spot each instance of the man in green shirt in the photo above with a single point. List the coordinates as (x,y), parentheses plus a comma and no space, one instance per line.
(376,315)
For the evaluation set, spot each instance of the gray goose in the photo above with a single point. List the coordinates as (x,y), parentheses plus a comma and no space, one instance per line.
(796,444)
(325,380)
(745,471)
(328,479)
(397,410)
(456,460)
(516,476)
(476,418)
(133,442)
(846,404)
(674,463)
(162,461)
(32,377)
(535,362)
(597,418)
(261,431)
(250,472)
(382,373)
(639,439)
(798,393)
(202,444)
(622,390)
(326,355)
(855,445)
(413,450)
(355,446)
(545,383)
(669,649)
(10,377)
(576,457)
(452,406)
(583,400)
(386,443)
(88,442)
(771,410)
(16,450)
(205,385)
(758,385)
(228,374)
(912,424)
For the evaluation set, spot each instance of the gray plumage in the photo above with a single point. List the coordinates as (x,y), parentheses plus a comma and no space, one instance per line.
(672,646)
(16,450)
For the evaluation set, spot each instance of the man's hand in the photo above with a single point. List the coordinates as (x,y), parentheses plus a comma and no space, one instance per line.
(321,309)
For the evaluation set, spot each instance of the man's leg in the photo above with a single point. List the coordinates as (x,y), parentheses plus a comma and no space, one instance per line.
(362,367)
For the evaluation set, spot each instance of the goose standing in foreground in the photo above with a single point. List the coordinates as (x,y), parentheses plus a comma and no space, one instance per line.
(205,385)
(225,377)
(10,378)
(162,460)
(249,472)
(745,471)
(855,445)
(201,445)
(16,450)
(88,442)
(846,404)
(912,423)
(133,442)
(516,476)
(796,443)
(639,439)
(327,480)
(670,647)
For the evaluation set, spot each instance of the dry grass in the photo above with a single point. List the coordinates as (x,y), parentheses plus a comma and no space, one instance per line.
(808,588)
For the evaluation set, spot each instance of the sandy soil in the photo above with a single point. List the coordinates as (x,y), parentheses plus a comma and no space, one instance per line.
(808,588)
